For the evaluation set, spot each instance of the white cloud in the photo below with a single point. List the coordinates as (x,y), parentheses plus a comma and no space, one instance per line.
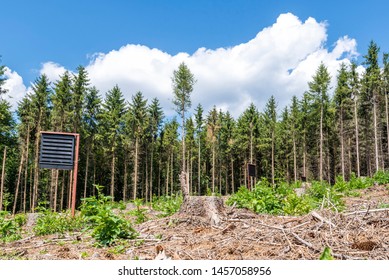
(15,87)
(52,70)
(279,61)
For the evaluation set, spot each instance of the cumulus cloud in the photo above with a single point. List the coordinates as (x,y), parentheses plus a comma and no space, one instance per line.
(52,70)
(279,61)
(14,86)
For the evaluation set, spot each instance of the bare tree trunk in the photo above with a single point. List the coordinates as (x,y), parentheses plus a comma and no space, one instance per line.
(387,122)
(31,187)
(56,189)
(52,184)
(113,174)
(272,158)
(171,174)
(147,180)
(62,190)
(86,172)
(70,189)
(375,133)
(167,175)
(36,169)
(151,171)
(232,176)
(18,182)
(125,177)
(349,158)
(199,170)
(25,186)
(135,184)
(3,178)
(26,170)
(159,177)
(356,136)
(321,146)
(213,167)
(342,143)
(294,158)
(251,153)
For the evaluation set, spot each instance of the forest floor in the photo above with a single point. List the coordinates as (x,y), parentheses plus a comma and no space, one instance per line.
(359,232)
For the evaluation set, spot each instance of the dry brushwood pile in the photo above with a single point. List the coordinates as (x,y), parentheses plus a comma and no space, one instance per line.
(226,233)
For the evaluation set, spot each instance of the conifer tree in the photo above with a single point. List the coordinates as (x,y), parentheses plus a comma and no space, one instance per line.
(183,81)
(138,123)
(113,118)
(318,89)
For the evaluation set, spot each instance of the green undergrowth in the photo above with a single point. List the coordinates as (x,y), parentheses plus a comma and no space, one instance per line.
(281,199)
(106,226)
(50,222)
(11,227)
(168,205)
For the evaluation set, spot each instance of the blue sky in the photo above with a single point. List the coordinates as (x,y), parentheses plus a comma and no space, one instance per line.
(71,33)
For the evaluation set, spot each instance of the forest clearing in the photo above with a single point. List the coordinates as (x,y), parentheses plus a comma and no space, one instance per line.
(307,183)
(360,231)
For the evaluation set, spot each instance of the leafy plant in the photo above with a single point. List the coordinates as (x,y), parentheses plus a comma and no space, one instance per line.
(50,222)
(106,226)
(326,255)
(10,229)
(167,204)
(139,212)
(295,205)
(381,177)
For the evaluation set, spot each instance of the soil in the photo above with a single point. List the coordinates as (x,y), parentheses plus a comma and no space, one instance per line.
(359,232)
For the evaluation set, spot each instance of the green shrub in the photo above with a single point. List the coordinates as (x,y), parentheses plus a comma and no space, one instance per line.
(360,183)
(106,226)
(50,222)
(10,230)
(295,205)
(167,204)
(381,177)
(262,199)
(139,212)
(327,196)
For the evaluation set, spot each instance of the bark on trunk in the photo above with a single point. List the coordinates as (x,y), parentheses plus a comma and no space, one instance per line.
(356,137)
(135,183)
(2,178)
(18,183)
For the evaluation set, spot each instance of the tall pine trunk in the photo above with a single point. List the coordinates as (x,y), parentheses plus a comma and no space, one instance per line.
(18,182)
(213,167)
(125,177)
(321,145)
(375,133)
(199,169)
(342,143)
(113,174)
(272,158)
(387,122)
(36,168)
(2,178)
(86,172)
(135,183)
(357,136)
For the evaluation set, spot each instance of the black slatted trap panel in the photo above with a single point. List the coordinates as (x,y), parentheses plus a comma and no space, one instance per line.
(57,151)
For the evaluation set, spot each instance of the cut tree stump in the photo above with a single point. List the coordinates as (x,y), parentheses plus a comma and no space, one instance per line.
(209,207)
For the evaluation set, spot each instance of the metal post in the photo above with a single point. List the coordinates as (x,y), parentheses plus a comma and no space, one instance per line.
(75,171)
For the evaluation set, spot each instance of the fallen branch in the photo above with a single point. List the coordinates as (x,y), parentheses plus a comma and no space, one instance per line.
(366,211)
(320,218)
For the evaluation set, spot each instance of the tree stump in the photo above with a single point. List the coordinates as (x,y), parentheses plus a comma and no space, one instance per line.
(209,207)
